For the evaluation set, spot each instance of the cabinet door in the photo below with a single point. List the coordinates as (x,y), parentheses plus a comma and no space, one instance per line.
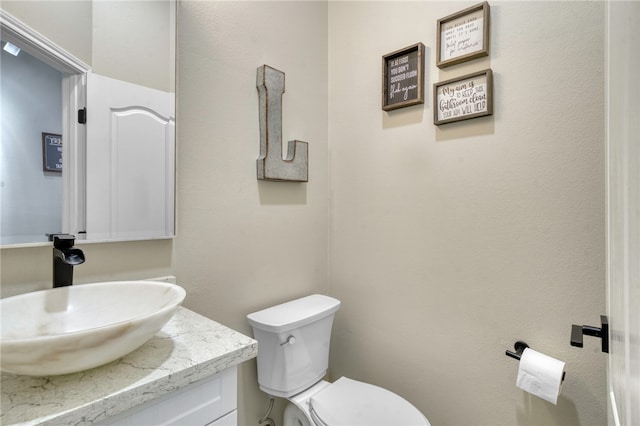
(230,419)
(198,404)
(130,160)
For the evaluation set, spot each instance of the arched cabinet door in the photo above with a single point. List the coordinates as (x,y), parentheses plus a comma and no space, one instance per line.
(130,160)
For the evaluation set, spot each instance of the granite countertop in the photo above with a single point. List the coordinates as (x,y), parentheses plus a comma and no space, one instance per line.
(189,347)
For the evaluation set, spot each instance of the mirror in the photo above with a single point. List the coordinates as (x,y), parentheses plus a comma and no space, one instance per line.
(117,178)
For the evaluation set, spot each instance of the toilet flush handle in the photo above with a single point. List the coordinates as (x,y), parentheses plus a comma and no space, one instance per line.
(290,341)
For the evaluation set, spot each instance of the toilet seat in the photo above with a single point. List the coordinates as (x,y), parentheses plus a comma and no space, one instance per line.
(354,403)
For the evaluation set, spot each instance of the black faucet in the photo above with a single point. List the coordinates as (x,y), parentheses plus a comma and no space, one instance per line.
(65,257)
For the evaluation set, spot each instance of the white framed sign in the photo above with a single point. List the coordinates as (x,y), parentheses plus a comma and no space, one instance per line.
(463,36)
(463,98)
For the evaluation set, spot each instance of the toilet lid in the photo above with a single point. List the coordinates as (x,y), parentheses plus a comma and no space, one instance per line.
(353,403)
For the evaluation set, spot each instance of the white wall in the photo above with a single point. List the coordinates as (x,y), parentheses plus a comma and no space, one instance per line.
(134,41)
(448,244)
(245,244)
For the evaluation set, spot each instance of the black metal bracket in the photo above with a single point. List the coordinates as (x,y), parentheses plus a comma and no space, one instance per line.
(519,346)
(82,115)
(578,331)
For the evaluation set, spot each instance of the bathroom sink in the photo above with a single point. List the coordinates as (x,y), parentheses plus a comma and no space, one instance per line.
(69,329)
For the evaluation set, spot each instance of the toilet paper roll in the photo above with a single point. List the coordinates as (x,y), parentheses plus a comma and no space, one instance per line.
(540,375)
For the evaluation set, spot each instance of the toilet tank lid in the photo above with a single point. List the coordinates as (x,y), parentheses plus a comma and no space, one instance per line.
(294,314)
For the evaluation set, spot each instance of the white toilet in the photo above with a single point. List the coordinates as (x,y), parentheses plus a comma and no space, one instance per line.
(293,357)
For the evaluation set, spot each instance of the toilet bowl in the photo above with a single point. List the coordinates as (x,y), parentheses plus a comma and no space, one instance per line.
(296,412)
(350,402)
(293,351)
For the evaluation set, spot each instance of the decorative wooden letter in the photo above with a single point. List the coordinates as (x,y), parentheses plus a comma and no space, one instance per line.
(271,165)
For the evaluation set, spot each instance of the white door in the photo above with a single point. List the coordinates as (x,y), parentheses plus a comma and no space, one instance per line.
(130,160)
(623,210)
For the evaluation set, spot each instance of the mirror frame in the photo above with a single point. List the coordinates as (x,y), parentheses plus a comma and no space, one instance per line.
(74,76)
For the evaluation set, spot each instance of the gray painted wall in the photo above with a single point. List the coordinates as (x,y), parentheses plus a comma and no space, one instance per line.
(31,104)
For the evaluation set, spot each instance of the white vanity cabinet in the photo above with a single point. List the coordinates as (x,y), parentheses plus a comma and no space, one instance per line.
(210,401)
(185,375)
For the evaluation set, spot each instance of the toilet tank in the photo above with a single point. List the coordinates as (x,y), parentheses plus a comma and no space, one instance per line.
(293,343)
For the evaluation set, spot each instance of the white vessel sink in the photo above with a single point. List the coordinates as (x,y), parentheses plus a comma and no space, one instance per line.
(70,329)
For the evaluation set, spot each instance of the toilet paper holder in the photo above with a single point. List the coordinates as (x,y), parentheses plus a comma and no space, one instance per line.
(519,346)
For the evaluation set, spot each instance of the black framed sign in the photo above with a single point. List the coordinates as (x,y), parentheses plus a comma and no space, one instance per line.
(403,77)
(51,152)
(463,36)
(462,98)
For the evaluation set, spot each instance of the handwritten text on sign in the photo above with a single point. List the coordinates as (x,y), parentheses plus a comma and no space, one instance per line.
(464,98)
(462,36)
(403,76)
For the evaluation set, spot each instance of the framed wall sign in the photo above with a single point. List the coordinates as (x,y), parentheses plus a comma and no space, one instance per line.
(463,36)
(463,98)
(403,77)
(51,152)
